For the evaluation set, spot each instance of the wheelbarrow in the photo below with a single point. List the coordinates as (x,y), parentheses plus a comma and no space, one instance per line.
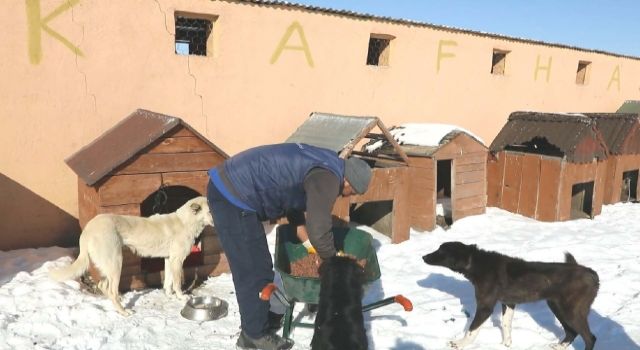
(297,289)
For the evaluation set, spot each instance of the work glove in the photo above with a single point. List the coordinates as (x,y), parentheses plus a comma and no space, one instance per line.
(310,248)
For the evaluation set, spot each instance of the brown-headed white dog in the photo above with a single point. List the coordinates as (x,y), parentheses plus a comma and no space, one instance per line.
(568,288)
(169,236)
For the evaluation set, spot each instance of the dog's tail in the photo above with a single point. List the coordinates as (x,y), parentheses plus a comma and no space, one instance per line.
(77,268)
(569,259)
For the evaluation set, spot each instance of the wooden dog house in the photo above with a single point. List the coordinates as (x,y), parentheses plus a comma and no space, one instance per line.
(621,134)
(390,181)
(448,173)
(550,167)
(146,164)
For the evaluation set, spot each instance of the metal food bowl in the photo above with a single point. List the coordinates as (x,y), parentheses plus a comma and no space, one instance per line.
(204,308)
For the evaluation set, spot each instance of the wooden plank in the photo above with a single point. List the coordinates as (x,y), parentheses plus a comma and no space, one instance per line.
(599,187)
(472,158)
(401,211)
(421,198)
(190,144)
(88,202)
(495,171)
(470,167)
(463,213)
(512,179)
(470,177)
(548,189)
(460,145)
(382,185)
(158,163)
(210,244)
(196,180)
(181,131)
(470,202)
(128,189)
(123,209)
(470,190)
(529,187)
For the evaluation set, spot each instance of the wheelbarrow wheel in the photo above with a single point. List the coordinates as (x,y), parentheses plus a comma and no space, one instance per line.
(312,308)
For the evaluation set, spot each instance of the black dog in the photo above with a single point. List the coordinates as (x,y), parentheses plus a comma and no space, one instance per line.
(569,288)
(339,323)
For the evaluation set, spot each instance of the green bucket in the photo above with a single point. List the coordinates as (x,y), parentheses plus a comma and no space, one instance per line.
(289,249)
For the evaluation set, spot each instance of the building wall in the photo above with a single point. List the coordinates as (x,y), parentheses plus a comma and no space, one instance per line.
(72,69)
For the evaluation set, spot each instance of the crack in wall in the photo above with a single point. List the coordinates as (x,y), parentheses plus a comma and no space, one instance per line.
(193,76)
(84,75)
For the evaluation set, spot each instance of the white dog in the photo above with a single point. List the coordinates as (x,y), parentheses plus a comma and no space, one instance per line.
(169,236)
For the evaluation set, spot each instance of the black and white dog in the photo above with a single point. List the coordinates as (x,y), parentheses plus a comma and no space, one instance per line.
(568,288)
(339,323)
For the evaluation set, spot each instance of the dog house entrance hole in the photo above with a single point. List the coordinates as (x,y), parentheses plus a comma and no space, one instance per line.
(628,191)
(582,200)
(377,214)
(163,201)
(443,194)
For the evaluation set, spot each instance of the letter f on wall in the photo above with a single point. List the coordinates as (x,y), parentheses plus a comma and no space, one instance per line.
(37,24)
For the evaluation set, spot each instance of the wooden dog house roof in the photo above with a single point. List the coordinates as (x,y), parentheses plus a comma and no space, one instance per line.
(620,131)
(123,141)
(342,133)
(575,135)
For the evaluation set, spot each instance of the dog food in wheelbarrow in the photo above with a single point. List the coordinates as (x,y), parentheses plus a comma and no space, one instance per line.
(307,266)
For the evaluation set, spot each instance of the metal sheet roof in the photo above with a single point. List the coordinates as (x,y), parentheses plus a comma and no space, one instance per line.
(402,21)
(575,135)
(629,106)
(331,131)
(123,141)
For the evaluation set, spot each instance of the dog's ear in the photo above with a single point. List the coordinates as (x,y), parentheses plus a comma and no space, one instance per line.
(195,207)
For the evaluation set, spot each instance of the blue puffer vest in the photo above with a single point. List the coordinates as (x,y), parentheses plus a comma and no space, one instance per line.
(269,179)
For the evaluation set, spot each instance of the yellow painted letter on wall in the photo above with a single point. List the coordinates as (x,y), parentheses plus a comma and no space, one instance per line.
(546,68)
(36,24)
(442,54)
(615,78)
(304,47)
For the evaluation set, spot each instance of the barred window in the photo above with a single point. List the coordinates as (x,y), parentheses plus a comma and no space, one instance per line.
(379,47)
(192,35)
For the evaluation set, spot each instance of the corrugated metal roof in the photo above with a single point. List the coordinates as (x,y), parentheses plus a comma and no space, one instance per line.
(360,15)
(629,106)
(331,131)
(575,135)
(124,140)
(619,131)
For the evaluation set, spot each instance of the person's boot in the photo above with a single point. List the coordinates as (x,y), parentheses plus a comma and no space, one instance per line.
(274,322)
(269,341)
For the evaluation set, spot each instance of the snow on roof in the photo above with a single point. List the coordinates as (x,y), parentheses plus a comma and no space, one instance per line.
(422,134)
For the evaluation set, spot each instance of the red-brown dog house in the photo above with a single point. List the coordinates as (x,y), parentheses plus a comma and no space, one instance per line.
(550,167)
(146,164)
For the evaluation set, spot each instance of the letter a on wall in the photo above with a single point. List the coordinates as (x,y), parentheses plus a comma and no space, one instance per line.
(304,47)
(37,24)
(615,78)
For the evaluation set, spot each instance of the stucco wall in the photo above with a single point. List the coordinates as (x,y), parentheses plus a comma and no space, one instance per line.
(72,69)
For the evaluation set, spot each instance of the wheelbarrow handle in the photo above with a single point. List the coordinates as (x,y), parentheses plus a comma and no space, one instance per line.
(266,292)
(406,303)
(271,289)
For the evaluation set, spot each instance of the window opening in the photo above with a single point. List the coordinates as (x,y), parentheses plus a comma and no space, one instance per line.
(192,35)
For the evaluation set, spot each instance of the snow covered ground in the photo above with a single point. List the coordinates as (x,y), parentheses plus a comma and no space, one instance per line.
(38,313)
